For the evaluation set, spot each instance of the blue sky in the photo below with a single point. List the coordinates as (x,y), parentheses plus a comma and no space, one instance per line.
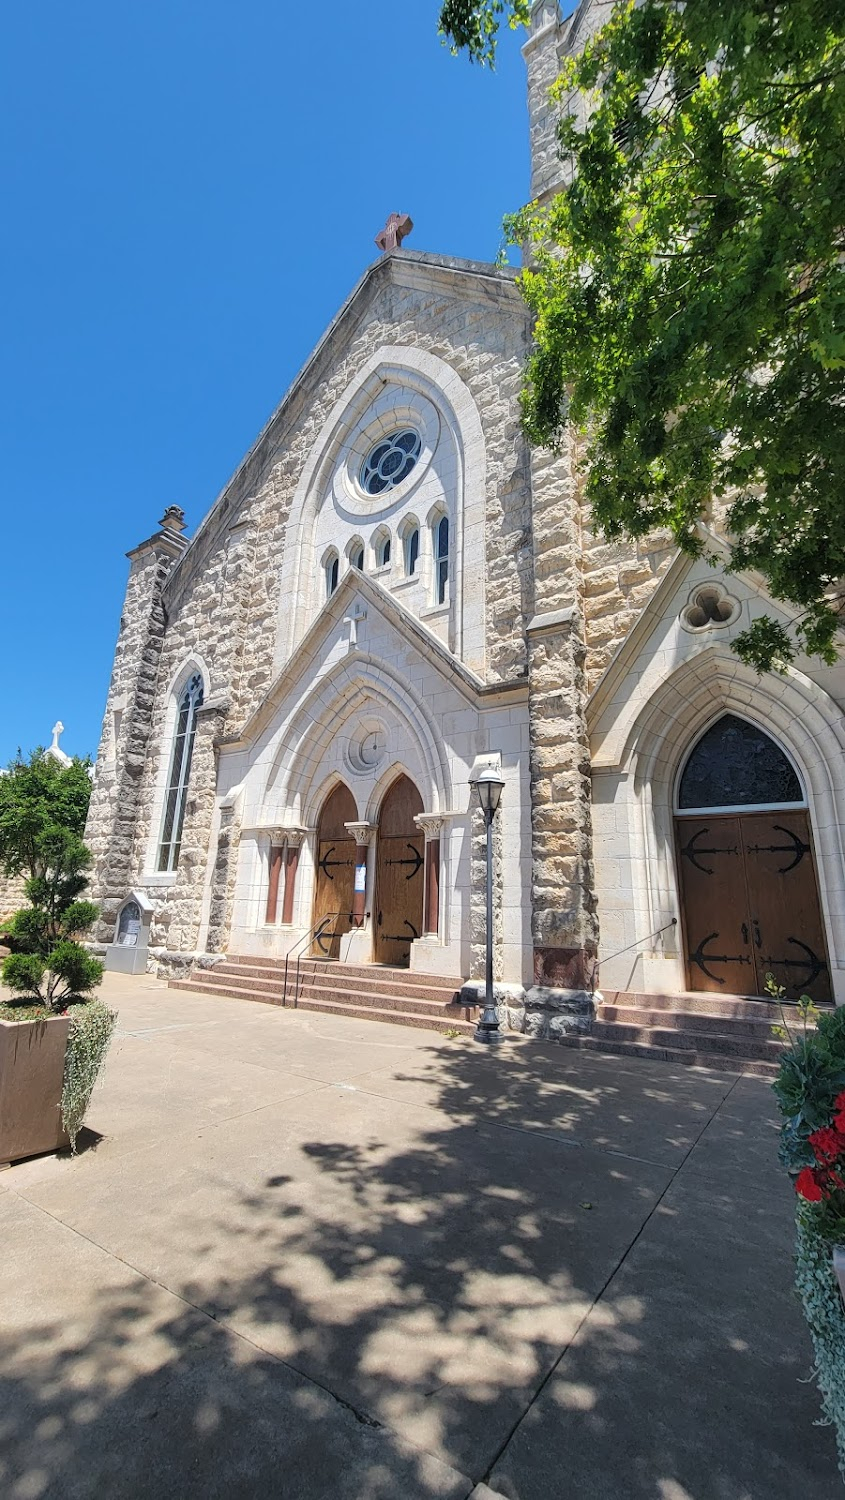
(189,192)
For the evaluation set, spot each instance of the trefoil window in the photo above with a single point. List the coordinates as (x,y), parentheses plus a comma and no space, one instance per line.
(180,771)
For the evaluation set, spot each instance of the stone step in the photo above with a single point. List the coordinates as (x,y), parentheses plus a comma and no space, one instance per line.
(739,1007)
(382,973)
(680,1056)
(683,1020)
(723,1043)
(438,1018)
(371,982)
(211,983)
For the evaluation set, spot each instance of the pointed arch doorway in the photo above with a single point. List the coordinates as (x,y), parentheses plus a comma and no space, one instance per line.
(400,861)
(749,892)
(335,873)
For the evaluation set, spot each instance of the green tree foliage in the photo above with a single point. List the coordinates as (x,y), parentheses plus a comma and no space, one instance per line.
(40,800)
(689,286)
(472,25)
(42,816)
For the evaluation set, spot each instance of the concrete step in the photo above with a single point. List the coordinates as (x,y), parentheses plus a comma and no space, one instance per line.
(681,1057)
(682,1020)
(372,981)
(702,1002)
(213,983)
(723,1043)
(435,1017)
(382,972)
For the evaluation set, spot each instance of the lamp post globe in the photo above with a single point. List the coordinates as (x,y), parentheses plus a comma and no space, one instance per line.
(488,787)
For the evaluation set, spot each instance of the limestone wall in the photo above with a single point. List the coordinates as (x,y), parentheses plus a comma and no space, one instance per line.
(11,894)
(618,580)
(551,40)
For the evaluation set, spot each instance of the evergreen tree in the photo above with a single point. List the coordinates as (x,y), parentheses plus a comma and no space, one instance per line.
(43,806)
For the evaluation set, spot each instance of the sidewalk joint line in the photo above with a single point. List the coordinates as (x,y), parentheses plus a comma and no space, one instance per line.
(485,1478)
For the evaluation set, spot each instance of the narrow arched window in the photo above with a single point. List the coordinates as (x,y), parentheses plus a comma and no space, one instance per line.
(332,566)
(383,552)
(441,559)
(180,771)
(412,551)
(356,558)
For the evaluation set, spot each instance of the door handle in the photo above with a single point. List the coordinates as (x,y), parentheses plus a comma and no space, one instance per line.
(757,938)
(744,931)
(379,919)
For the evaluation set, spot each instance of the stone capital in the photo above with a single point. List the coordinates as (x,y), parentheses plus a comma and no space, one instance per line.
(431,824)
(362,833)
(291,836)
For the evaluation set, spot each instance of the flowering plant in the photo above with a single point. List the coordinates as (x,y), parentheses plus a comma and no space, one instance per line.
(823,1183)
(811,1092)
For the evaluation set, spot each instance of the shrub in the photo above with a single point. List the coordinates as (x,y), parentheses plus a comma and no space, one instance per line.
(90,1033)
(810,1089)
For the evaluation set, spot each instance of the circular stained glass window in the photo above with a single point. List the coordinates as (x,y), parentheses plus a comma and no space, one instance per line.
(390,461)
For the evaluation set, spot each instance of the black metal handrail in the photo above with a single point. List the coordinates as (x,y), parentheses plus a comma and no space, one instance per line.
(318,930)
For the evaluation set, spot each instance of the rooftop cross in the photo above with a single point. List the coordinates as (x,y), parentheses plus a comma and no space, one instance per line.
(397,228)
(58,729)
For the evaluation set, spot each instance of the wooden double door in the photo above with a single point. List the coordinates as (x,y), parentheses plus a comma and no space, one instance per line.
(399,874)
(400,878)
(335,873)
(751,904)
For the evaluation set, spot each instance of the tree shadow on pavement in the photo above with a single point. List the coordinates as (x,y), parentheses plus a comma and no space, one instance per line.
(389,1290)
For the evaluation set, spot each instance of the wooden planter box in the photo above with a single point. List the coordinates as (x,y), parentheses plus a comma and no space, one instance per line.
(32,1064)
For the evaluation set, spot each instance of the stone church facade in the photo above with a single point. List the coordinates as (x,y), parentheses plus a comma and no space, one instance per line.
(394,591)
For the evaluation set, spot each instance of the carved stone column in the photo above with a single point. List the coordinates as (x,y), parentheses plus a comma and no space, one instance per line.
(363,834)
(293,844)
(276,862)
(431,825)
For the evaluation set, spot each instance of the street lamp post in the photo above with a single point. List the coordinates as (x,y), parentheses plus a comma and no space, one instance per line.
(489,784)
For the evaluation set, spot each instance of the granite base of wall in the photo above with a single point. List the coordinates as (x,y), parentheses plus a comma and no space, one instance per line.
(164,963)
(540,1011)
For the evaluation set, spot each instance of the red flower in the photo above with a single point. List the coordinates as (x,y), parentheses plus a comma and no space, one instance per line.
(807,1187)
(839,1101)
(827,1144)
(839,1122)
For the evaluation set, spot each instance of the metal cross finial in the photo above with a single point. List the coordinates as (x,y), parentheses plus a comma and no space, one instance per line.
(358,615)
(397,228)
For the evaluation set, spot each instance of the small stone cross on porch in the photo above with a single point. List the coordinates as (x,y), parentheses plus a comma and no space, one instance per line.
(357,617)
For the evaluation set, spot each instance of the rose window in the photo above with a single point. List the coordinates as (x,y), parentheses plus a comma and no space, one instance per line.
(390,461)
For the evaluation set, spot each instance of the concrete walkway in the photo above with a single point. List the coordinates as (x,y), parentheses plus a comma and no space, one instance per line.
(310,1257)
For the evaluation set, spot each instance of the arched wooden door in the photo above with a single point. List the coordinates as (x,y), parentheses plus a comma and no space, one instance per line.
(400,862)
(749,892)
(335,874)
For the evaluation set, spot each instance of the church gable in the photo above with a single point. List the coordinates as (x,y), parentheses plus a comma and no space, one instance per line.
(425,353)
(695,610)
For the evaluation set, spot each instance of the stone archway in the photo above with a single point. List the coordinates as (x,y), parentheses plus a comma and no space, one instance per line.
(400,863)
(335,872)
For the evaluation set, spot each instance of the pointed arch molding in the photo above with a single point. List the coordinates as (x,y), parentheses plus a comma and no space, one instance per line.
(648,744)
(440,384)
(318,720)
